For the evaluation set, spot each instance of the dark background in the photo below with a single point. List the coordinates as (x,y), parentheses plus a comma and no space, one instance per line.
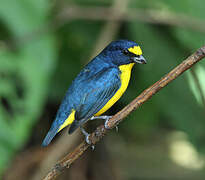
(43,46)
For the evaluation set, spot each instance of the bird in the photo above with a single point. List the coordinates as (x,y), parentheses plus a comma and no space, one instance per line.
(97,87)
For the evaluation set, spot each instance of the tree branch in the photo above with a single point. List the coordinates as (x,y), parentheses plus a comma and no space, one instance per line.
(151,16)
(117,118)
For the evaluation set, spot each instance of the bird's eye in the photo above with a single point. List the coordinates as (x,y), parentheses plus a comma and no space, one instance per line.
(125,52)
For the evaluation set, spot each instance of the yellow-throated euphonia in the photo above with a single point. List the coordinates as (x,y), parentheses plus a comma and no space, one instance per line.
(97,87)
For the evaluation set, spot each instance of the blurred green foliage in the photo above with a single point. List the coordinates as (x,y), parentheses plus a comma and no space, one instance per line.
(38,61)
(25,71)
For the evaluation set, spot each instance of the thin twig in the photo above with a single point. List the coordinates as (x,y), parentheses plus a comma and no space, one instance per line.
(117,118)
(152,16)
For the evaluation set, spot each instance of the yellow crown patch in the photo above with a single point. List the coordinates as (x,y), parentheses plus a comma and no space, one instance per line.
(136,50)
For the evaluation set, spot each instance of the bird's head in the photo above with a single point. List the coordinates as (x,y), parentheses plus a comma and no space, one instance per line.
(123,52)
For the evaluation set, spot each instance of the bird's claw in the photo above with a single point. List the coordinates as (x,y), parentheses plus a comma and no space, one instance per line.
(87,135)
(106,118)
(87,139)
(106,122)
(89,142)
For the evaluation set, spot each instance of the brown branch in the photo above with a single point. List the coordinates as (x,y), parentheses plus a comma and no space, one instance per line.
(152,16)
(52,156)
(117,118)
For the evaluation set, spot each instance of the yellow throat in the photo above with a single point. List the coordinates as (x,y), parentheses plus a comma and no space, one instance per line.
(125,78)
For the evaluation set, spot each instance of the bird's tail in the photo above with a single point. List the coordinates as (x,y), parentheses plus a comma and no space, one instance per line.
(51,133)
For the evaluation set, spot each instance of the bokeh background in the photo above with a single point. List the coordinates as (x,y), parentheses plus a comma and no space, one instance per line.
(43,46)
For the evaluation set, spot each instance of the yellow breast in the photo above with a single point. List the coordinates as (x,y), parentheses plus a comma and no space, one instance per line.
(125,78)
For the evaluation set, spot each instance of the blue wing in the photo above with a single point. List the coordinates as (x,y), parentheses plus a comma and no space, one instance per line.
(97,92)
(88,94)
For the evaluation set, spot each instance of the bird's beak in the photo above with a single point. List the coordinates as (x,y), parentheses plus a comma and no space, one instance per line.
(140,60)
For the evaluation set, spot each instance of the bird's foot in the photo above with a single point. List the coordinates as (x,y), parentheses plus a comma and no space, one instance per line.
(85,134)
(106,118)
(106,122)
(100,117)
